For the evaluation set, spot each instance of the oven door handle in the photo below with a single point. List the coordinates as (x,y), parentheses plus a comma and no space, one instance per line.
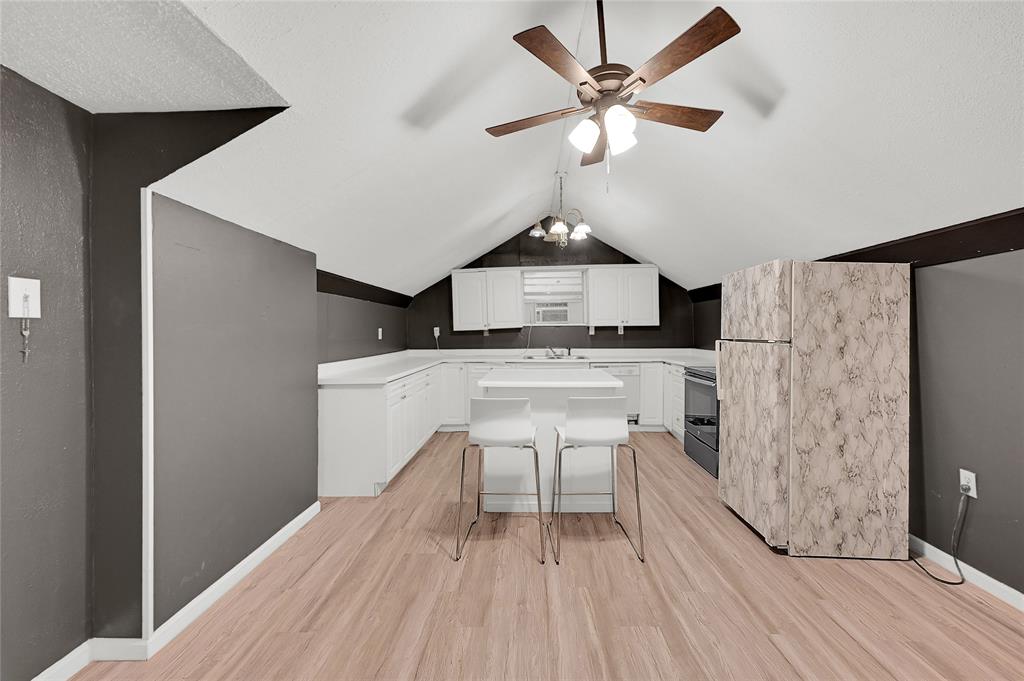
(702,381)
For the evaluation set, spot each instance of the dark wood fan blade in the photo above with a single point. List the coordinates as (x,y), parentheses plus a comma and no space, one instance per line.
(597,154)
(542,44)
(714,29)
(681,116)
(533,121)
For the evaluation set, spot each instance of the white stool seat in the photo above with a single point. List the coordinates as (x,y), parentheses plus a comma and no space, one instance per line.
(498,422)
(501,422)
(593,422)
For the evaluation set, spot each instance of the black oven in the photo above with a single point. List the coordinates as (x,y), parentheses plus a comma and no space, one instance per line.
(701,417)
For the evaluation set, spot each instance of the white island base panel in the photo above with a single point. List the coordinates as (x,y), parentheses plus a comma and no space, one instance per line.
(583,469)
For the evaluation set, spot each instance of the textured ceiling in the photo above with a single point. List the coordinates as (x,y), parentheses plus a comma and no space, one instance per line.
(110,57)
(846,124)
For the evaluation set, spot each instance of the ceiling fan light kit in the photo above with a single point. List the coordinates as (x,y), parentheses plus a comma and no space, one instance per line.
(584,135)
(607,88)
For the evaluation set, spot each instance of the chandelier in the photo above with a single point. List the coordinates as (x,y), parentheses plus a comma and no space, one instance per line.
(559,231)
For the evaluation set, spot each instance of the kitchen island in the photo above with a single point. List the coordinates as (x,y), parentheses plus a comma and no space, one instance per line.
(584,469)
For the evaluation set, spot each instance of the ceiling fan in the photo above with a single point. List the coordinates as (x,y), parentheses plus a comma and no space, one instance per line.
(608,88)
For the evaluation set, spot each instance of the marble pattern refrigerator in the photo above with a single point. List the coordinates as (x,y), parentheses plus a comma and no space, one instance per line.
(813,379)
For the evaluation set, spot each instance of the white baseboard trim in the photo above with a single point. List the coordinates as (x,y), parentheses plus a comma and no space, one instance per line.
(118,649)
(198,605)
(1001,591)
(96,649)
(67,666)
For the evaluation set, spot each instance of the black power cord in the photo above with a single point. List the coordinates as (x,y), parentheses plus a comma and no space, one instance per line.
(954,542)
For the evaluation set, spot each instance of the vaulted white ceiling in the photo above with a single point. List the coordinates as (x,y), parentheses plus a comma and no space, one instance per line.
(846,124)
(112,57)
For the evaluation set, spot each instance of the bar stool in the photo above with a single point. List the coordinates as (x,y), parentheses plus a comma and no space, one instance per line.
(593,422)
(497,422)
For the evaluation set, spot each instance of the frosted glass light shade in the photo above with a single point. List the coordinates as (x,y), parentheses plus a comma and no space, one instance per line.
(584,135)
(619,120)
(577,235)
(559,227)
(582,227)
(537,231)
(620,143)
(620,124)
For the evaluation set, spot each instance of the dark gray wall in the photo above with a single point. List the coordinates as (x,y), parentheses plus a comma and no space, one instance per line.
(131,151)
(235,409)
(45,148)
(433,306)
(347,328)
(969,339)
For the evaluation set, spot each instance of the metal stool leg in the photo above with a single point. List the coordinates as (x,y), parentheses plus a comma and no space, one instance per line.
(540,511)
(556,506)
(639,519)
(460,541)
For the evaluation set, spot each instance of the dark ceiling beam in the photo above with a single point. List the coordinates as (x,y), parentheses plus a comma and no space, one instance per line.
(327,282)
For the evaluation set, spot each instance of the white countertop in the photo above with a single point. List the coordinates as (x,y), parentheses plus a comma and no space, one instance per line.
(552,378)
(382,369)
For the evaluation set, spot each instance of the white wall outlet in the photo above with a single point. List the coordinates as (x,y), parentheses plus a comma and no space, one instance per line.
(591,331)
(23,298)
(621,330)
(968,480)
(380,333)
(437,332)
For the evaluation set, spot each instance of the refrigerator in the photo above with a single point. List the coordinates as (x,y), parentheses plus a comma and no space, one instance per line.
(814,391)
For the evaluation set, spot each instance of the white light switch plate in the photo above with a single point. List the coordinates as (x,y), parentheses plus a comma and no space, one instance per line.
(23,298)
(968,478)
(380,333)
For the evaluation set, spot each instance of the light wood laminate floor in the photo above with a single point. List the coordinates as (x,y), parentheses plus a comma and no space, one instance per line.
(368,590)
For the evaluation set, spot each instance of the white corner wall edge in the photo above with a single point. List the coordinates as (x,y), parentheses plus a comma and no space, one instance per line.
(97,649)
(1003,592)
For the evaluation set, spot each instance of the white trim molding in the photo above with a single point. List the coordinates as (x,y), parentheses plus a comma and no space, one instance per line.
(1003,592)
(97,649)
(67,666)
(198,605)
(146,239)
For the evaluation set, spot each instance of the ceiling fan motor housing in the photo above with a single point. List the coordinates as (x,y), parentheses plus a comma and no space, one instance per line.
(609,77)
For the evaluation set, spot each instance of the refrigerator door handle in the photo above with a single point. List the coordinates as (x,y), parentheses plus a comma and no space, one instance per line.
(720,380)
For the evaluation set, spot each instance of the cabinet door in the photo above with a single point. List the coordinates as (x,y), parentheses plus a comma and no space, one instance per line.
(650,394)
(666,396)
(435,401)
(453,379)
(469,300)
(504,298)
(396,434)
(604,291)
(640,295)
(756,302)
(753,467)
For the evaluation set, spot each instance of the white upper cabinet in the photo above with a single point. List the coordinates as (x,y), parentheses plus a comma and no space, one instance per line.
(616,295)
(504,298)
(640,296)
(623,296)
(469,300)
(604,290)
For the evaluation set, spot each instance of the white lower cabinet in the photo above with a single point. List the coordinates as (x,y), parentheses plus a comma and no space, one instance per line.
(651,394)
(677,394)
(367,434)
(453,395)
(475,372)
